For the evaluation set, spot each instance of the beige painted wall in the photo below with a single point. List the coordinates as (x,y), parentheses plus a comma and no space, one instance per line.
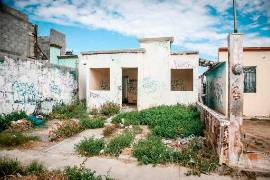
(256,104)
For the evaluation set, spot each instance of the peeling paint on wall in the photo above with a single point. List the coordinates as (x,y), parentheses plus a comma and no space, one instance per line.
(32,86)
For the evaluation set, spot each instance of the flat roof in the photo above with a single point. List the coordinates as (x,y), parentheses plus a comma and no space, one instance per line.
(160,39)
(117,51)
(184,52)
(223,49)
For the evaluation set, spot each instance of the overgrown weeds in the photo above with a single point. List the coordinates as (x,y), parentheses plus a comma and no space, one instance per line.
(166,121)
(90,146)
(74,110)
(5,120)
(117,144)
(82,173)
(65,128)
(195,155)
(92,123)
(11,139)
(13,169)
(10,166)
(35,167)
(109,108)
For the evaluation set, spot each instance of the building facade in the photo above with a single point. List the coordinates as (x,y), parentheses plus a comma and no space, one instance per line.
(149,76)
(256,61)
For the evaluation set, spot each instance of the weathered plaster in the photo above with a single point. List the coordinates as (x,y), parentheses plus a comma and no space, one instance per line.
(31,85)
(154,65)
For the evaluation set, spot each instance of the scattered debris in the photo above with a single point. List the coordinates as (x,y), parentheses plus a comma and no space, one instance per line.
(20,125)
(35,120)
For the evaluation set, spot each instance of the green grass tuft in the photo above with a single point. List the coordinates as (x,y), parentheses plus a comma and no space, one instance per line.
(92,123)
(11,139)
(117,144)
(90,146)
(35,168)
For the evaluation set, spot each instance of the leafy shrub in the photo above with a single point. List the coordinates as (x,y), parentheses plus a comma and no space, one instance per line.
(117,144)
(74,110)
(127,118)
(166,121)
(80,173)
(109,130)
(9,139)
(65,128)
(9,166)
(5,120)
(87,123)
(151,150)
(90,146)
(35,168)
(109,108)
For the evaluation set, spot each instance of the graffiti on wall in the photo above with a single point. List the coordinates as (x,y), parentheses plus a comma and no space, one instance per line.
(180,64)
(33,86)
(104,85)
(150,85)
(24,92)
(177,85)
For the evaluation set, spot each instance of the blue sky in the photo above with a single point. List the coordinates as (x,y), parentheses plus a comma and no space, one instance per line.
(201,25)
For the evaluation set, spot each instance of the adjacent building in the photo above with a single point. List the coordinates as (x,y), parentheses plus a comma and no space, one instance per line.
(256,62)
(149,76)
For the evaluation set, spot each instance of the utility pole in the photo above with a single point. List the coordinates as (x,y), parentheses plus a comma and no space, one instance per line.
(234,17)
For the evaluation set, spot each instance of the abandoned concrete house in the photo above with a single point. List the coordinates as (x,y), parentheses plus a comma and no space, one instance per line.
(148,76)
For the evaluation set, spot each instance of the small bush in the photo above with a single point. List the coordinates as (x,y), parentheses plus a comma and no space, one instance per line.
(5,120)
(90,146)
(109,108)
(151,150)
(9,167)
(10,139)
(74,110)
(87,123)
(128,118)
(35,168)
(109,130)
(117,144)
(76,173)
(64,129)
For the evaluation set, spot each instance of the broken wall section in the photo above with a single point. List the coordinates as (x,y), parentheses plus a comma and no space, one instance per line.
(34,85)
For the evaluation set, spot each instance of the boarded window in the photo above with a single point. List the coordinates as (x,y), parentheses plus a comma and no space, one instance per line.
(182,79)
(100,79)
(250,79)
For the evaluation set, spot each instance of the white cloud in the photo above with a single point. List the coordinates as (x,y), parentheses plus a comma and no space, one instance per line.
(190,22)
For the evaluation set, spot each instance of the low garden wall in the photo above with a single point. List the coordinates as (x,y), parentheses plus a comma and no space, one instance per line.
(34,85)
(216,130)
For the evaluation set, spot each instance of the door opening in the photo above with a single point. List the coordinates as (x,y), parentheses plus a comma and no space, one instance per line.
(129,86)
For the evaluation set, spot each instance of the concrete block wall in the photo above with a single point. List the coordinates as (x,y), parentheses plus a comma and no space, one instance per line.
(59,39)
(34,85)
(15,32)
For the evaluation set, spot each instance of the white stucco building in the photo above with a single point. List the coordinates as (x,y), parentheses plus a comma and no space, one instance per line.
(149,76)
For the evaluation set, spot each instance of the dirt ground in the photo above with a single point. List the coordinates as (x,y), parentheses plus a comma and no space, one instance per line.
(256,135)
